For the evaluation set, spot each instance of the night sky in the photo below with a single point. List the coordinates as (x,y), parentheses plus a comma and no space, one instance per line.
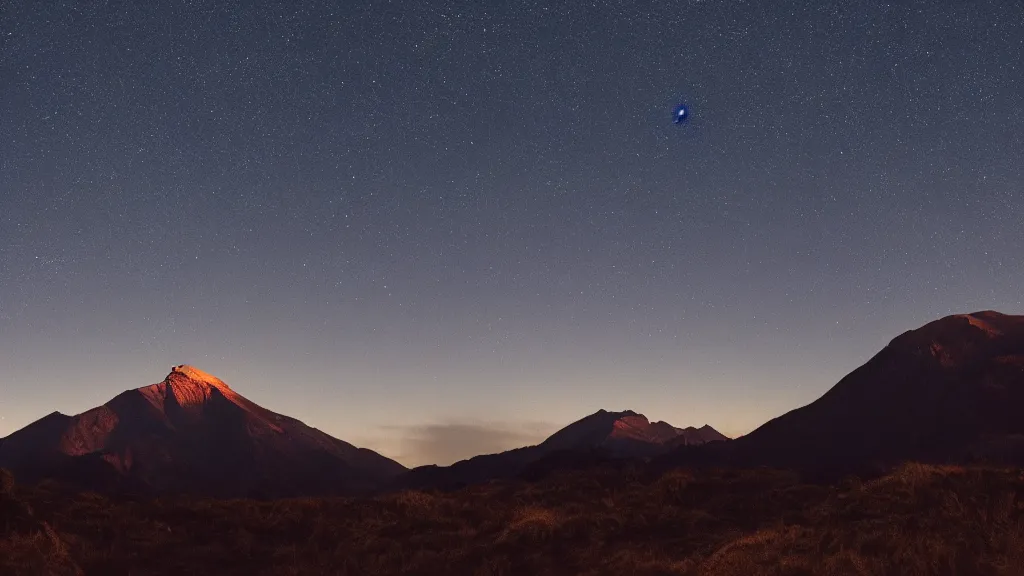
(442,228)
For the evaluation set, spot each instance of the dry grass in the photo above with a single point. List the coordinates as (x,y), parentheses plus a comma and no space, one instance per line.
(917,520)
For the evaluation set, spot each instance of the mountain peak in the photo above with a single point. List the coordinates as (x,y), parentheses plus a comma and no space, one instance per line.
(626,430)
(196,376)
(990,321)
(960,338)
(190,386)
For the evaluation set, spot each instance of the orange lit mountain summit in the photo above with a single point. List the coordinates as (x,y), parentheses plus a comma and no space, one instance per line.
(192,434)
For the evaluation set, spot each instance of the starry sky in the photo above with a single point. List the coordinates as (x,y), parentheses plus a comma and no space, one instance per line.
(443,228)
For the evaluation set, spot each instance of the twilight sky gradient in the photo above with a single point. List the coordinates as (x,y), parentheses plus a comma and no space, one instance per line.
(443,228)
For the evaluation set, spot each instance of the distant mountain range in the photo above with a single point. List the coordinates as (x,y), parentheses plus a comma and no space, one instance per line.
(949,392)
(602,434)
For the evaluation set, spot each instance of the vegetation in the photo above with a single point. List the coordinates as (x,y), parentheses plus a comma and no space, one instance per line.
(918,520)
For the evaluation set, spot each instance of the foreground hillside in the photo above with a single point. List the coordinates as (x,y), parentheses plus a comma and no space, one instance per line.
(918,520)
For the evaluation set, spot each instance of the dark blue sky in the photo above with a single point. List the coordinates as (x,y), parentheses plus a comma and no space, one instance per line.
(449,227)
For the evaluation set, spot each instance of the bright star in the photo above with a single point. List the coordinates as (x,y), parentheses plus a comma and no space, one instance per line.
(681,113)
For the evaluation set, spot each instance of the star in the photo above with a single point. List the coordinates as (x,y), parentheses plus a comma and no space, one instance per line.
(681,113)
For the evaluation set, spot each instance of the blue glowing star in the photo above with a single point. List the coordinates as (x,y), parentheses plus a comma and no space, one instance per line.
(682,113)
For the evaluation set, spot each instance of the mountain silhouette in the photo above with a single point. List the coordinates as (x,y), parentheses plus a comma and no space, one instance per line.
(951,391)
(191,434)
(598,437)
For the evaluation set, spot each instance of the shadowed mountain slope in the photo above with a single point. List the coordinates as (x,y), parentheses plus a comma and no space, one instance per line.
(951,391)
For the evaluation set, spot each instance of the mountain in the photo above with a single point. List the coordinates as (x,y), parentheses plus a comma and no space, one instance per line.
(691,436)
(191,434)
(951,391)
(600,436)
